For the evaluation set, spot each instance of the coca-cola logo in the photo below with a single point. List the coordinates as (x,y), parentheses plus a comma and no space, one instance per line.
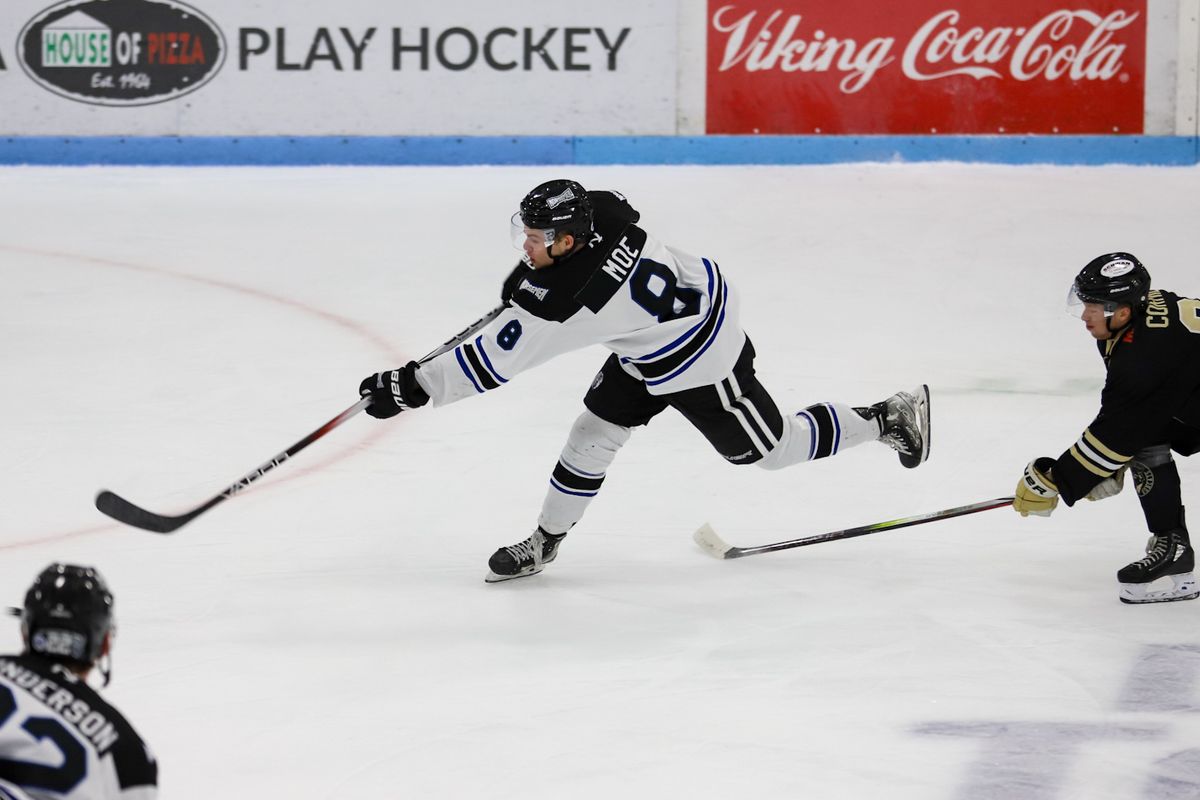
(121,52)
(1077,45)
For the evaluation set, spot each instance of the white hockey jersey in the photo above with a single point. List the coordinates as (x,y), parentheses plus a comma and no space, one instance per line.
(670,317)
(60,740)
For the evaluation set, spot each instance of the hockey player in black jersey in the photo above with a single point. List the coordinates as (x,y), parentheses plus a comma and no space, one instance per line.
(592,275)
(59,739)
(1150,405)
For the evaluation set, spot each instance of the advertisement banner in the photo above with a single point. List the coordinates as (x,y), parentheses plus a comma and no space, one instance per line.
(354,68)
(926,66)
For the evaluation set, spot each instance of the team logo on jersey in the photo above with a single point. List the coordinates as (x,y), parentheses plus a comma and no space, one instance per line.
(1115,269)
(539,292)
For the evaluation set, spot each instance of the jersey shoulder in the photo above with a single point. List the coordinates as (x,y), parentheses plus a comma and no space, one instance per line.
(1166,332)
(85,710)
(589,278)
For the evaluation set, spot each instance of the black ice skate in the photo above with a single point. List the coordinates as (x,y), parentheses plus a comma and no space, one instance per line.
(904,424)
(1165,574)
(524,558)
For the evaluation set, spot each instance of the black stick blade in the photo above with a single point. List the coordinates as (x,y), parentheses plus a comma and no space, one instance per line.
(124,511)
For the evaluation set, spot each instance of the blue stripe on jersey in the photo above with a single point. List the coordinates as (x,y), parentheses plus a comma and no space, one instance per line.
(463,364)
(487,361)
(564,490)
(837,429)
(812,425)
(712,337)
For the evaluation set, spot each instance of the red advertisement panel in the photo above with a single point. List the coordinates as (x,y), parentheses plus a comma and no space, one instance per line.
(926,66)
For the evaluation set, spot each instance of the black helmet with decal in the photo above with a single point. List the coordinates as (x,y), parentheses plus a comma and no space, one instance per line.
(1113,280)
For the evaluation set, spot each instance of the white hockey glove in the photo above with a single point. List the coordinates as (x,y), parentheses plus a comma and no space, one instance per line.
(1108,487)
(1036,492)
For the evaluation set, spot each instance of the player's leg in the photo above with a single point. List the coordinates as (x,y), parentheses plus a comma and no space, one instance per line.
(743,423)
(1165,573)
(615,404)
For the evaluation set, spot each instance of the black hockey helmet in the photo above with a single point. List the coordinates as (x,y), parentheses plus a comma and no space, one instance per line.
(559,206)
(1113,279)
(68,612)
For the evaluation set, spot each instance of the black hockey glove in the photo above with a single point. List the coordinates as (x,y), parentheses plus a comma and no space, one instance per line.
(513,281)
(393,392)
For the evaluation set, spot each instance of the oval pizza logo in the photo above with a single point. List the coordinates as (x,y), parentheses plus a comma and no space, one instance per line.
(1115,269)
(121,52)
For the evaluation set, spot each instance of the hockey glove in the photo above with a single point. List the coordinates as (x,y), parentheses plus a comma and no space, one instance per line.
(1108,487)
(393,392)
(1036,492)
(513,281)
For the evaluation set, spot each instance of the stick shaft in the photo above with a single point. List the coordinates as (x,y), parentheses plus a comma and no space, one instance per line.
(864,530)
(466,333)
(124,511)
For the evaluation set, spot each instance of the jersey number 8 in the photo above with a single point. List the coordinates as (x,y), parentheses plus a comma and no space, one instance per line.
(654,287)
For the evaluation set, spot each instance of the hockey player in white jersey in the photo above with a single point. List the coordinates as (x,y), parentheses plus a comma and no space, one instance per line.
(591,275)
(59,739)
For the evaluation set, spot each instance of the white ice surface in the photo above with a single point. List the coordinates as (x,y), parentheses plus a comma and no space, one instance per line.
(329,634)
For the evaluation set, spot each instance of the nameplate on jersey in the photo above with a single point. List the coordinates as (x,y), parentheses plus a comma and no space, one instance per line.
(614,269)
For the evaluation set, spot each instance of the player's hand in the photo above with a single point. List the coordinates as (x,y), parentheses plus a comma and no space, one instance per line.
(513,281)
(1108,487)
(393,392)
(1036,492)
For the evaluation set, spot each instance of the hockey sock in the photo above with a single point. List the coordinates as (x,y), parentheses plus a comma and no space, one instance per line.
(591,447)
(819,431)
(1156,478)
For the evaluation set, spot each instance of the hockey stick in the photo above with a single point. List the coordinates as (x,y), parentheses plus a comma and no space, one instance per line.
(124,511)
(715,546)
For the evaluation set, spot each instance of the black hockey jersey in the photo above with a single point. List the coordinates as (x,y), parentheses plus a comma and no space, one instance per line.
(670,317)
(60,739)
(1152,389)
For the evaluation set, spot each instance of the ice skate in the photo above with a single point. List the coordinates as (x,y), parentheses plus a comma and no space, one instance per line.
(1164,575)
(524,558)
(904,424)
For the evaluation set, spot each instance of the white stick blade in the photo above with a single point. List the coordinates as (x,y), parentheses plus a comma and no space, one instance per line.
(710,541)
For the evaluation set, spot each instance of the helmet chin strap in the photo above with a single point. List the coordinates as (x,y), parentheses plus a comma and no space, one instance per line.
(105,667)
(555,259)
(1108,323)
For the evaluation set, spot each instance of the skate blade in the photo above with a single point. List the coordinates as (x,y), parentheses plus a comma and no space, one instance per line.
(492,577)
(1182,587)
(922,398)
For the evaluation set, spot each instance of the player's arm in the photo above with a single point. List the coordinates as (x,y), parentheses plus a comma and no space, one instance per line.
(1131,411)
(513,342)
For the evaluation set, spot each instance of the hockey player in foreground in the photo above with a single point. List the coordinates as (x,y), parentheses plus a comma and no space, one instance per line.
(1150,405)
(591,275)
(58,737)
